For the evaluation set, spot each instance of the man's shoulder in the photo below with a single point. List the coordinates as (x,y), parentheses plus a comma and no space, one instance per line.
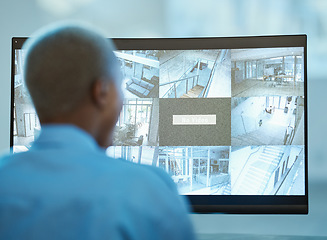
(119,187)
(132,177)
(93,161)
(88,167)
(134,171)
(8,158)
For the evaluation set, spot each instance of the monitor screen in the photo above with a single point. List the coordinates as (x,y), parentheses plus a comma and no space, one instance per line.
(224,117)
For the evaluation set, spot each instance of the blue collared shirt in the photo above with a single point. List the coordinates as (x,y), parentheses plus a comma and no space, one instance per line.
(65,187)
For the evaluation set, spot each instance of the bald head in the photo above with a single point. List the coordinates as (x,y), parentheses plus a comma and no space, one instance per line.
(62,63)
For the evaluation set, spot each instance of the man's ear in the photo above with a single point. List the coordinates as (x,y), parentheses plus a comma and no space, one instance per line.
(100,92)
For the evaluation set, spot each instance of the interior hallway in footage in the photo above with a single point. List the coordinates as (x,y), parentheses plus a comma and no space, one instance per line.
(195,170)
(271,120)
(261,72)
(246,170)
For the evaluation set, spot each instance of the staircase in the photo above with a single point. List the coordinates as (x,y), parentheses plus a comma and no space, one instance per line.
(258,174)
(183,86)
(194,92)
(227,190)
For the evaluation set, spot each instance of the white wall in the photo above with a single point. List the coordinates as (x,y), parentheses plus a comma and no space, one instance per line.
(20,18)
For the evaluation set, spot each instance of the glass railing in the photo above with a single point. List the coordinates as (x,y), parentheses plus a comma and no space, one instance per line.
(180,87)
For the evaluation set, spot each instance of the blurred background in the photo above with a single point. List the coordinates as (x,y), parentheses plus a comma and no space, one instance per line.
(187,18)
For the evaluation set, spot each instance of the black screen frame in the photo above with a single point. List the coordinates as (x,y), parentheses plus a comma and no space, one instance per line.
(232,204)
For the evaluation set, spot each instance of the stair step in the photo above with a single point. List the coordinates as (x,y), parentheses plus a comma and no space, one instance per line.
(258,174)
(251,187)
(257,179)
(259,169)
(273,155)
(269,158)
(253,181)
(261,164)
(262,175)
(270,162)
(194,92)
(274,150)
(269,154)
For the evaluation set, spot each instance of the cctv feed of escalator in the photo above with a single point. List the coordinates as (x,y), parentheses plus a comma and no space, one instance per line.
(219,122)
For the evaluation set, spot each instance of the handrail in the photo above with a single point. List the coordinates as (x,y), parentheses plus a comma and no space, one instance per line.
(243,123)
(286,174)
(174,87)
(288,140)
(272,173)
(179,80)
(291,135)
(220,185)
(220,56)
(245,165)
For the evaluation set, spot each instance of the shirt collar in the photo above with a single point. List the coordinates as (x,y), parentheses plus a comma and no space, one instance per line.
(64,136)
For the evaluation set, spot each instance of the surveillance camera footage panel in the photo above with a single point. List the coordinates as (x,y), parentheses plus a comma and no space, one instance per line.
(218,121)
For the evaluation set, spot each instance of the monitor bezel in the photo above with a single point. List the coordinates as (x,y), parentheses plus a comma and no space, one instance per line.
(232,204)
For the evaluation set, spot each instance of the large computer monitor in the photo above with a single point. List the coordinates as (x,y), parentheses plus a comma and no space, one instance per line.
(226,118)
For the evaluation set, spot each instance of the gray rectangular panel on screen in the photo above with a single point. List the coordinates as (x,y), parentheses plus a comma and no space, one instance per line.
(203,133)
